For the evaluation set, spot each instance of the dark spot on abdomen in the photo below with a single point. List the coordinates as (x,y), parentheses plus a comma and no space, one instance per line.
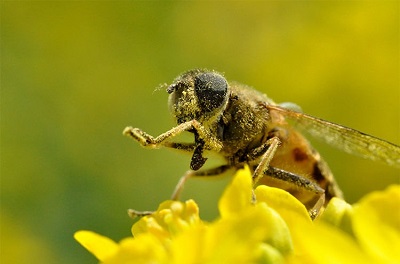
(299,155)
(317,173)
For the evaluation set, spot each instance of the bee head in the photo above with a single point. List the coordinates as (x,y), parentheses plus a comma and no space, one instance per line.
(198,94)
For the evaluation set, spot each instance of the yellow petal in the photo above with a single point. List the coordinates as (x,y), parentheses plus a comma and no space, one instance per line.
(237,195)
(189,246)
(149,224)
(145,248)
(324,243)
(191,212)
(283,202)
(100,246)
(376,224)
(277,232)
(339,214)
(243,233)
(269,255)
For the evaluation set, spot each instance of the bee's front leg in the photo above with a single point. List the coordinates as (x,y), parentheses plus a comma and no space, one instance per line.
(146,140)
(197,159)
(203,140)
(140,136)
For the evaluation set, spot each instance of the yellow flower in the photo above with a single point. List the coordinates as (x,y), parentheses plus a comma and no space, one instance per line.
(376,224)
(171,218)
(266,225)
(102,247)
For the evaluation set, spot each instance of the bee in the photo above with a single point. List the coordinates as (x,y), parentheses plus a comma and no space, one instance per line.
(246,127)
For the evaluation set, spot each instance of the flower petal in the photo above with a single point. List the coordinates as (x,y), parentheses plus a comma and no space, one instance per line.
(237,195)
(189,246)
(270,255)
(283,202)
(338,213)
(145,248)
(324,243)
(245,232)
(170,218)
(100,246)
(376,224)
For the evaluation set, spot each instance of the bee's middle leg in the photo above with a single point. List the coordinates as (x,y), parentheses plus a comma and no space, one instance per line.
(203,173)
(179,187)
(269,148)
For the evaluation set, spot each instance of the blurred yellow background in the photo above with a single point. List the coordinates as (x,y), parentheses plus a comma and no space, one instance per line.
(74,74)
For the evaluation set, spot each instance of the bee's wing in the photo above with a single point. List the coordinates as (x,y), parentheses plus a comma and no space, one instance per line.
(344,138)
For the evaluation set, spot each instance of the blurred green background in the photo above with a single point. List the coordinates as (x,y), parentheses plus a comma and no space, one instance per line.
(74,74)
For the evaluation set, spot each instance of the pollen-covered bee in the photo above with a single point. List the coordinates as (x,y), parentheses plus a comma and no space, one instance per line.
(244,126)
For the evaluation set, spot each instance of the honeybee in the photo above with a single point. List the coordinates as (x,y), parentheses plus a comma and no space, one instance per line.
(244,126)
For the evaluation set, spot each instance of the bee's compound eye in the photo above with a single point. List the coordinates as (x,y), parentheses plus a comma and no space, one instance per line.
(211,90)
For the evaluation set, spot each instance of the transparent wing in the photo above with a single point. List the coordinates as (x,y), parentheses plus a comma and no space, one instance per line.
(344,138)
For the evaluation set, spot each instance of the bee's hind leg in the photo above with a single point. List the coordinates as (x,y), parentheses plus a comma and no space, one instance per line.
(300,182)
(267,152)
